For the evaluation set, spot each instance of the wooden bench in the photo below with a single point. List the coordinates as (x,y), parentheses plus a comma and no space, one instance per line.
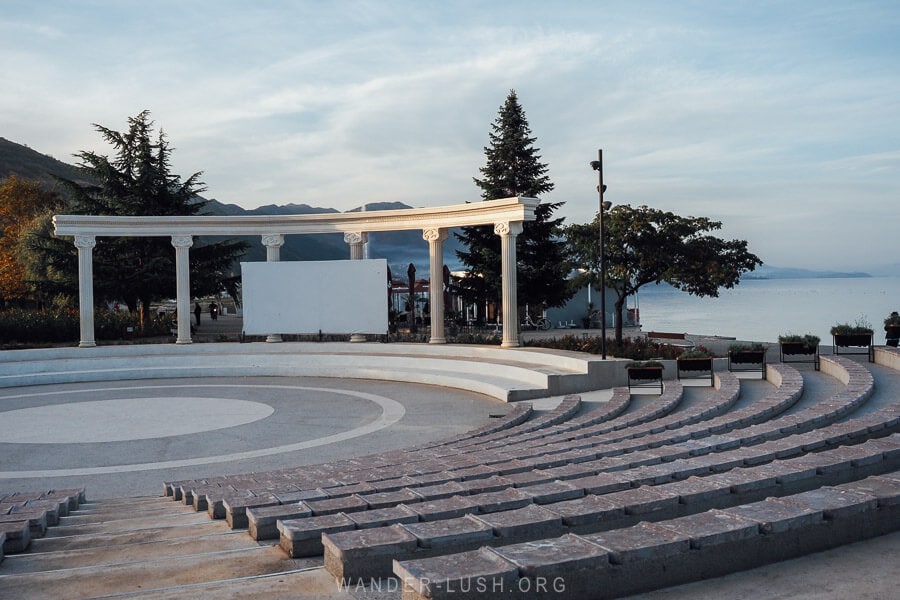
(672,339)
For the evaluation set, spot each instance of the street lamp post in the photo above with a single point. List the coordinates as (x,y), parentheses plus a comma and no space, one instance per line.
(597,165)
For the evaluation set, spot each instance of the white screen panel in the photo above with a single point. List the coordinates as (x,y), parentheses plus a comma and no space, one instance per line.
(334,296)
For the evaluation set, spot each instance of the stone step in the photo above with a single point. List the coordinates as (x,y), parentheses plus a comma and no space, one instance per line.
(144,574)
(109,552)
(303,584)
(150,534)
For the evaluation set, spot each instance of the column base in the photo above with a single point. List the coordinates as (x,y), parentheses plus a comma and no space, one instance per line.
(357,338)
(274,338)
(87,344)
(437,341)
(184,341)
(514,344)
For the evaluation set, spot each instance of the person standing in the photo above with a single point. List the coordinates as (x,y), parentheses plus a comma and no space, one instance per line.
(197,311)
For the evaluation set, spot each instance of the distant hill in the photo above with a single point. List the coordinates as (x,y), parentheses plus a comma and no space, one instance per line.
(16,159)
(770,272)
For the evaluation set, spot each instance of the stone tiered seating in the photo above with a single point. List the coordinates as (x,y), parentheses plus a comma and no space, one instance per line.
(445,463)
(592,512)
(566,474)
(27,515)
(652,555)
(793,445)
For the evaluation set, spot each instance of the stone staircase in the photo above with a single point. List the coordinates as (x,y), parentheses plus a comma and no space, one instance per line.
(150,548)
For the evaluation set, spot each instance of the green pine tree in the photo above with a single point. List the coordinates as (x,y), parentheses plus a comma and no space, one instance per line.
(513,167)
(137,181)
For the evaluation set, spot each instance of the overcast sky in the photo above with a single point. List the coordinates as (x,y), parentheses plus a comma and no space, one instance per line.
(779,118)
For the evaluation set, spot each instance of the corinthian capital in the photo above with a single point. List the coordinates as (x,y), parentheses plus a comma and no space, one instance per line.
(85,241)
(182,241)
(273,240)
(434,234)
(355,237)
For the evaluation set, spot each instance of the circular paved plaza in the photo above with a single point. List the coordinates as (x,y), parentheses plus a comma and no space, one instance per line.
(125,438)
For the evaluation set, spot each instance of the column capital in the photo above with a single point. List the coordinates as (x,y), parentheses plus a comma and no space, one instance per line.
(356,237)
(182,241)
(508,228)
(85,241)
(434,234)
(273,240)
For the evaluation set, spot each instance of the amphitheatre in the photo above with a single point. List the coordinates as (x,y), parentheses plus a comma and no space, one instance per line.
(275,469)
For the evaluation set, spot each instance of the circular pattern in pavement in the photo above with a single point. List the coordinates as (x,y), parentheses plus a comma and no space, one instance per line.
(121,419)
(344,414)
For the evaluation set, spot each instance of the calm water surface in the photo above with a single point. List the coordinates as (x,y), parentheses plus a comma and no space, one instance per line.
(763,309)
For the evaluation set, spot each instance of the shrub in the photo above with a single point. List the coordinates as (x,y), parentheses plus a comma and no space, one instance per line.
(634,348)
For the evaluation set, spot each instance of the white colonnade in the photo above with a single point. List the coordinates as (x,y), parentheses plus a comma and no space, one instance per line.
(506,215)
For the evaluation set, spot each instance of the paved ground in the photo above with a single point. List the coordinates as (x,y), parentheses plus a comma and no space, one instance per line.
(126,438)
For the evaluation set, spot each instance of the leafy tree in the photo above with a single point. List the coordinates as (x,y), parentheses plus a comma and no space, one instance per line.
(513,168)
(646,245)
(22,201)
(137,181)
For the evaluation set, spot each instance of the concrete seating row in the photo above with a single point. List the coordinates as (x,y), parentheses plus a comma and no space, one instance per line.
(653,555)
(687,467)
(339,477)
(615,500)
(27,515)
(233,505)
(442,468)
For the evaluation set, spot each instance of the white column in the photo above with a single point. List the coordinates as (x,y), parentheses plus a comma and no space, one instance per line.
(435,238)
(182,245)
(508,232)
(273,243)
(85,245)
(357,241)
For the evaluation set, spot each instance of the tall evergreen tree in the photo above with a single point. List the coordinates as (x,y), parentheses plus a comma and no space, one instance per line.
(513,167)
(137,181)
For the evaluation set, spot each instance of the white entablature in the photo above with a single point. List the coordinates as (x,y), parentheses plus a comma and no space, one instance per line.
(506,215)
(457,215)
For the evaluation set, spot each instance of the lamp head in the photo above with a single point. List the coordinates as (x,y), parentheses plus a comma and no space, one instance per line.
(596,165)
(607,205)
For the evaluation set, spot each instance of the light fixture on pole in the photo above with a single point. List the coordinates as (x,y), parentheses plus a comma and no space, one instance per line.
(597,165)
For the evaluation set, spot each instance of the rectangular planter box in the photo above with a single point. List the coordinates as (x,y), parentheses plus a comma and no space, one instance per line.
(647,376)
(853,340)
(799,349)
(695,364)
(750,360)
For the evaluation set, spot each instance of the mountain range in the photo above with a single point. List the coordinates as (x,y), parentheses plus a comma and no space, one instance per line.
(399,248)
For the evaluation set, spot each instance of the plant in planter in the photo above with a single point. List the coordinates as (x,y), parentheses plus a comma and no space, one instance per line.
(799,344)
(794,344)
(753,355)
(892,329)
(645,370)
(859,334)
(696,359)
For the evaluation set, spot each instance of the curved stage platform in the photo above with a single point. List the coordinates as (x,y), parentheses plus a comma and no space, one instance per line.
(122,419)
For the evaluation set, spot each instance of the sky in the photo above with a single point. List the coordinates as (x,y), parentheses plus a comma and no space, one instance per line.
(781,119)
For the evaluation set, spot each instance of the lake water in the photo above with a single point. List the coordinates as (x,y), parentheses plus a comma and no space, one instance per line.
(762,309)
